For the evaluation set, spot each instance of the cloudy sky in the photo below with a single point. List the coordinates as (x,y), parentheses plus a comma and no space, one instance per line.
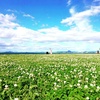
(37,25)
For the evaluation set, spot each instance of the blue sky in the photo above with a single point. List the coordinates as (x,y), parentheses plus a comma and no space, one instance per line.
(37,25)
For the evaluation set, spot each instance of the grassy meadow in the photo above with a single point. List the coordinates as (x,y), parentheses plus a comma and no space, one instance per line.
(50,77)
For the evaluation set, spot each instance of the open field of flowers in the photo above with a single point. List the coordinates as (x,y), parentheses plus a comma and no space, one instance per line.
(50,77)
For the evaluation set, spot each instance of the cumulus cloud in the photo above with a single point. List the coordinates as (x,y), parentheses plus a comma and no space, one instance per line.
(79,16)
(7,21)
(14,36)
(80,24)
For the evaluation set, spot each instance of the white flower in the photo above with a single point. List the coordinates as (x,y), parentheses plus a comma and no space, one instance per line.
(91,90)
(70,85)
(75,76)
(91,85)
(6,86)
(64,82)
(78,84)
(93,69)
(55,73)
(87,98)
(15,85)
(0,80)
(30,75)
(58,86)
(80,75)
(58,80)
(70,71)
(74,70)
(86,86)
(79,81)
(52,76)
(98,88)
(27,73)
(55,88)
(86,78)
(19,77)
(55,83)
(16,99)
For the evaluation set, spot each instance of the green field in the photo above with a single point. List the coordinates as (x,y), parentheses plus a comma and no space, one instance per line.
(50,77)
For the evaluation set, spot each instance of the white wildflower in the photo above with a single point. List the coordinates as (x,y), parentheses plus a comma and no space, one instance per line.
(19,77)
(70,85)
(78,84)
(75,76)
(55,88)
(70,71)
(91,85)
(58,86)
(55,73)
(6,86)
(86,86)
(0,80)
(91,90)
(80,75)
(98,88)
(74,70)
(86,79)
(79,81)
(31,75)
(55,83)
(15,85)
(64,82)
(58,80)
(16,99)
(27,73)
(52,76)
(87,98)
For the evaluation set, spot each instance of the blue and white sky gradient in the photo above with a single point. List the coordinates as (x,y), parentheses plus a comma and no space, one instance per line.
(37,25)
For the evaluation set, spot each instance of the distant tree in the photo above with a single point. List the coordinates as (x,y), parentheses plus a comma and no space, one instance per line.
(97,51)
(47,52)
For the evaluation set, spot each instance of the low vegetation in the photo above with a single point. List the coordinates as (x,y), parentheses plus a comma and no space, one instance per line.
(50,77)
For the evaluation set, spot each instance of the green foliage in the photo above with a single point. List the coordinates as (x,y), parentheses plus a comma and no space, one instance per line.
(50,77)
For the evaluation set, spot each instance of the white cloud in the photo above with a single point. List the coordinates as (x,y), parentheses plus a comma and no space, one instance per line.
(8,21)
(13,11)
(68,2)
(44,25)
(96,0)
(15,37)
(7,17)
(28,15)
(81,15)
(72,11)
(82,28)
